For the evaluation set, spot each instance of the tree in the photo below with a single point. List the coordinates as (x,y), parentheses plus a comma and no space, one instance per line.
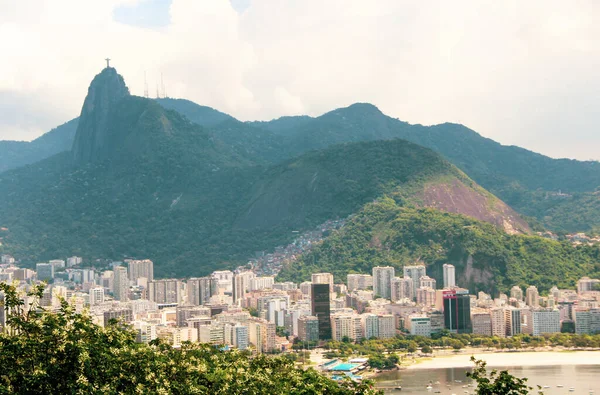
(426,349)
(497,383)
(63,352)
(412,347)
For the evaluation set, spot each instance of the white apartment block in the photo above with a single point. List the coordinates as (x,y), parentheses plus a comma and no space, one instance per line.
(545,321)
(140,269)
(382,281)
(415,273)
(402,288)
(418,325)
(349,325)
(449,275)
(482,322)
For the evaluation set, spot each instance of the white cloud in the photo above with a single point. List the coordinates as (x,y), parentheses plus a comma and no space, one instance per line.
(519,72)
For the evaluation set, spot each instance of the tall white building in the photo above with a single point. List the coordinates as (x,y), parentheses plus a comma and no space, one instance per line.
(532,296)
(224,280)
(402,288)
(382,281)
(241,284)
(449,276)
(166,291)
(96,295)
(545,321)
(121,284)
(346,324)
(258,283)
(140,268)
(199,290)
(498,318)
(415,273)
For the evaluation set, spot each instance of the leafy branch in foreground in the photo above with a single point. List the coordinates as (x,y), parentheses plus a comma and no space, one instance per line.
(497,383)
(66,353)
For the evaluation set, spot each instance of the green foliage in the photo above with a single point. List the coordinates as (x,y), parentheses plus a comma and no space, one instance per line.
(65,353)
(486,258)
(458,341)
(380,361)
(15,154)
(496,383)
(523,179)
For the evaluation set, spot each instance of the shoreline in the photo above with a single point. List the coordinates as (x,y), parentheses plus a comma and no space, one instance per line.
(508,359)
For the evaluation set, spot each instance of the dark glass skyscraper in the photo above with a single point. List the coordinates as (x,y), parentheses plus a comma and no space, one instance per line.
(457,311)
(320,309)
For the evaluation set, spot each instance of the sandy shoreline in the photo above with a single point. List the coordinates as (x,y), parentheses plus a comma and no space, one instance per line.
(541,358)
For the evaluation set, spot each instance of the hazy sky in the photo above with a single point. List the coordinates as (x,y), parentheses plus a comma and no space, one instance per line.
(519,72)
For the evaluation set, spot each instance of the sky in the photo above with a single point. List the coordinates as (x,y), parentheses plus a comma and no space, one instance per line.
(519,72)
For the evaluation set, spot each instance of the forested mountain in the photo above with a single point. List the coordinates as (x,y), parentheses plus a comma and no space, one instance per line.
(145,181)
(561,193)
(15,154)
(486,258)
(338,180)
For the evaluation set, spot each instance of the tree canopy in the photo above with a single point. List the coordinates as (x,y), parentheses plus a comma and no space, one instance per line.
(64,352)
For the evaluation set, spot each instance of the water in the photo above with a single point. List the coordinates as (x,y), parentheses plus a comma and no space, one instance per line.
(581,377)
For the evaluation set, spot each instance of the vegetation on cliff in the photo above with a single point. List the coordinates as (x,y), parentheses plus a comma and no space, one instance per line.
(486,258)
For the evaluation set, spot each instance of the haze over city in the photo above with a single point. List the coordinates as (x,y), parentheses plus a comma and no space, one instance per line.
(519,73)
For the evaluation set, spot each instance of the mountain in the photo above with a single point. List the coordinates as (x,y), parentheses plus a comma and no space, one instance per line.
(486,259)
(145,181)
(535,185)
(561,194)
(15,154)
(202,115)
(141,181)
(337,181)
(261,144)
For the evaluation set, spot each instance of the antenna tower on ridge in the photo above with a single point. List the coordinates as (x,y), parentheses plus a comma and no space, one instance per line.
(145,86)
(162,86)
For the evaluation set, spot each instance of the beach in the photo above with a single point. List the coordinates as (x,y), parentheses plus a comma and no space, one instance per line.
(528,358)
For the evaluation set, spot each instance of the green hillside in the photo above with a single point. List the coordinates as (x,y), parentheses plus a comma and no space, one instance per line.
(144,181)
(385,233)
(518,176)
(15,154)
(337,181)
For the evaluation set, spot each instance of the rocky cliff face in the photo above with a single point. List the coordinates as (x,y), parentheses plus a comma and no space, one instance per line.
(105,91)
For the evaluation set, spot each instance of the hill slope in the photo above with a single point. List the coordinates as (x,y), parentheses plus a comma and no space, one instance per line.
(337,181)
(151,183)
(523,179)
(144,181)
(15,154)
(487,259)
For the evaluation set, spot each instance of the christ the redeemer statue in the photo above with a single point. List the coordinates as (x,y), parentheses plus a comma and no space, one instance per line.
(107,62)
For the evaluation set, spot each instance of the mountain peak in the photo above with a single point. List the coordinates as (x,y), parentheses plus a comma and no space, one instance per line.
(105,91)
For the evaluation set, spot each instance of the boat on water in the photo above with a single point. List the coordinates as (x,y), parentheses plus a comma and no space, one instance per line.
(560,386)
(572,389)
